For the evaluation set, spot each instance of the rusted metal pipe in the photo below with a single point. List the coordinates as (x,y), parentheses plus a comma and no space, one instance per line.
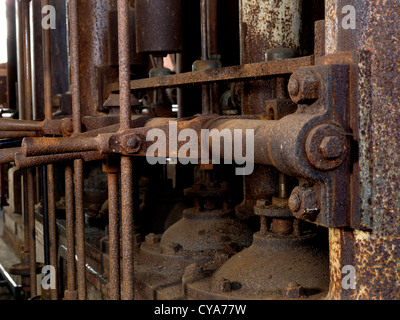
(70,293)
(8,155)
(124,64)
(41,146)
(126,162)
(51,209)
(113,229)
(78,164)
(29,116)
(22,162)
(32,233)
(127,222)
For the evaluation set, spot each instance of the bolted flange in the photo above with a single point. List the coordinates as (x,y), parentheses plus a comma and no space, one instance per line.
(326,147)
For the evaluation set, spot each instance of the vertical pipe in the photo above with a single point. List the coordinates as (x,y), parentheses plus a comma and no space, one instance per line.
(205,89)
(127,229)
(52,224)
(126,162)
(71,293)
(113,227)
(27,60)
(80,229)
(29,116)
(78,164)
(20,61)
(212,44)
(204,42)
(124,64)
(212,27)
(46,45)
(32,233)
(46,242)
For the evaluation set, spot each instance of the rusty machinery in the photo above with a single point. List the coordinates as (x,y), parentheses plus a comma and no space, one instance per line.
(323,103)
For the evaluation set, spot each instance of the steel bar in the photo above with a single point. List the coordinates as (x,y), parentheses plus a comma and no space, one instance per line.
(49,178)
(204,25)
(17,134)
(114,238)
(32,233)
(22,162)
(46,241)
(29,116)
(71,293)
(80,229)
(234,73)
(8,155)
(212,27)
(127,228)
(57,145)
(205,88)
(52,225)
(124,64)
(78,164)
(126,162)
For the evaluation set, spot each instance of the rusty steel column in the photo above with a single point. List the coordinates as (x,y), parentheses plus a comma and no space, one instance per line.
(78,164)
(126,162)
(93,49)
(48,106)
(370,48)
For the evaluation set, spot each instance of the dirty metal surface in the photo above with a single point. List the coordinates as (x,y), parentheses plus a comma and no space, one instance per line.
(234,73)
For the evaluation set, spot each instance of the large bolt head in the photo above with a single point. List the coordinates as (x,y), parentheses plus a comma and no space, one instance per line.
(131,143)
(304,87)
(304,203)
(332,147)
(326,147)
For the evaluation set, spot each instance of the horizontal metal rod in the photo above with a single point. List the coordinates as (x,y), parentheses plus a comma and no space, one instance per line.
(21,161)
(50,127)
(8,155)
(235,73)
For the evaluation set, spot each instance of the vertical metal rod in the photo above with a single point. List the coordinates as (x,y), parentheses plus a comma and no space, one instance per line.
(205,89)
(78,164)
(127,229)
(212,44)
(32,233)
(124,63)
(52,225)
(46,242)
(25,205)
(71,293)
(46,44)
(113,228)
(80,229)
(27,59)
(212,27)
(204,41)
(20,61)
(29,116)
(126,162)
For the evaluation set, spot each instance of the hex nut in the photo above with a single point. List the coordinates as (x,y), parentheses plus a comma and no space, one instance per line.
(304,87)
(331,147)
